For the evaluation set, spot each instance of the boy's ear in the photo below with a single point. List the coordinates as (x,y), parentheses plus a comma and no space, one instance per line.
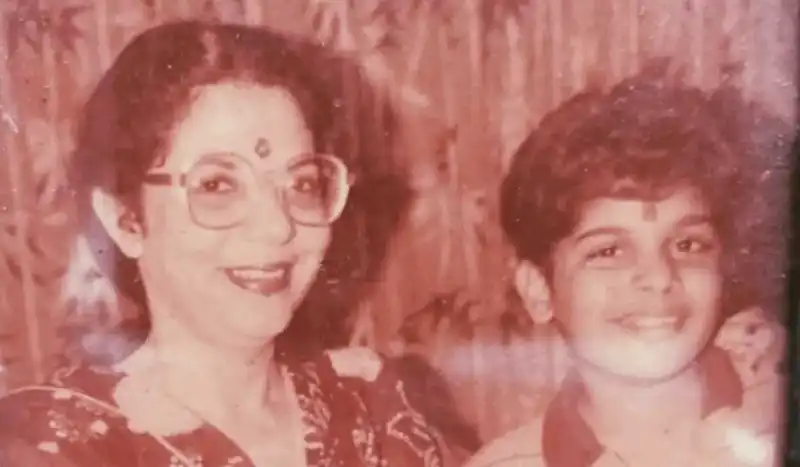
(532,287)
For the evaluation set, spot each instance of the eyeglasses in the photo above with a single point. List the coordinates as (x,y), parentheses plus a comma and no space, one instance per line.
(222,190)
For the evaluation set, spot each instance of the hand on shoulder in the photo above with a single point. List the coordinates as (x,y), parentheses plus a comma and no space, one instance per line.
(755,344)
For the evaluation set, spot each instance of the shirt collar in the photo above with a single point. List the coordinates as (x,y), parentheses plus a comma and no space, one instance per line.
(568,441)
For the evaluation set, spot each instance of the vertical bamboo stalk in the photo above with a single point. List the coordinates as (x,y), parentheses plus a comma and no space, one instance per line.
(732,31)
(444,63)
(104,58)
(475,31)
(539,86)
(577,51)
(556,29)
(254,12)
(394,293)
(419,40)
(618,46)
(659,16)
(475,34)
(520,362)
(714,43)
(16,180)
(777,45)
(51,73)
(750,52)
(593,28)
(514,112)
(352,97)
(103,35)
(696,47)
(185,8)
(634,47)
(4,383)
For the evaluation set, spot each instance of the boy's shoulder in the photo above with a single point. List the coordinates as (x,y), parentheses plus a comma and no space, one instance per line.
(756,346)
(521,447)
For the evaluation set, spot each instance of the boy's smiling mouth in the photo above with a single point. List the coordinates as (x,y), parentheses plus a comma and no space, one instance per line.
(652,325)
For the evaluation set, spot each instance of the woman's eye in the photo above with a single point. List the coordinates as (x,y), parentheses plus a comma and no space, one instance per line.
(219,184)
(308,185)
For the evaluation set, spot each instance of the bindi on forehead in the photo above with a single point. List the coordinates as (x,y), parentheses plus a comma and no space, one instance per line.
(263,149)
(650,211)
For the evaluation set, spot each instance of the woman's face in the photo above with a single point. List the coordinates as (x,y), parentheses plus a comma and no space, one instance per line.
(239,284)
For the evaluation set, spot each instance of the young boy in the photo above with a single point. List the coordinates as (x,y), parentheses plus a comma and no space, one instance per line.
(627,211)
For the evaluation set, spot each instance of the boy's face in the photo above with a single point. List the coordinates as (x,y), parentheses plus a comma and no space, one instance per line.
(637,284)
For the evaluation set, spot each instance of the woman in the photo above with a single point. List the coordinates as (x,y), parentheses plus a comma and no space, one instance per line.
(204,155)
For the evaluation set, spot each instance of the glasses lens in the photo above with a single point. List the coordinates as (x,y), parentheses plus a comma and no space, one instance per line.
(218,190)
(317,190)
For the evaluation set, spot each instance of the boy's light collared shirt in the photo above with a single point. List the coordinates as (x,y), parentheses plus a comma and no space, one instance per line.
(741,425)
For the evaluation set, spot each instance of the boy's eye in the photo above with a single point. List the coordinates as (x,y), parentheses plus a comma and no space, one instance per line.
(694,246)
(606,252)
(609,255)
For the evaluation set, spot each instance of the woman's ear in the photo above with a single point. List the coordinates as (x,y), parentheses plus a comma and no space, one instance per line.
(532,287)
(119,222)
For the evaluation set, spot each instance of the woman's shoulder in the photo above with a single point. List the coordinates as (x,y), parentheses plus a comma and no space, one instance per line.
(24,407)
(70,389)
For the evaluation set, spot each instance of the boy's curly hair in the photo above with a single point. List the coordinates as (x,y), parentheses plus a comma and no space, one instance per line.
(645,138)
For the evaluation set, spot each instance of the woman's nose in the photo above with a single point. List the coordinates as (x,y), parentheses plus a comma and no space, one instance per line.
(269,220)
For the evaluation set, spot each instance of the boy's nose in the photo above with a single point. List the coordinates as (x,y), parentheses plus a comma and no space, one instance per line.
(655,274)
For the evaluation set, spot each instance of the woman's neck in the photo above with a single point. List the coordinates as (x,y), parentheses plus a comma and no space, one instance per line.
(226,379)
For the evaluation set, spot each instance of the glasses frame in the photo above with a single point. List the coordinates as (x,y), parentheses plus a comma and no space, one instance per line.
(179,179)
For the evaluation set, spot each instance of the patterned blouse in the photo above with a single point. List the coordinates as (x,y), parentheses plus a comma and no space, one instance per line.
(73,421)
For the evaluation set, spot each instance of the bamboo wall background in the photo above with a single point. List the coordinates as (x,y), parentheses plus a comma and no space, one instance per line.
(470,77)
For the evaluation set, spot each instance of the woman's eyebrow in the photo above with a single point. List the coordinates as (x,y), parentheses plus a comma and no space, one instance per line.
(221,159)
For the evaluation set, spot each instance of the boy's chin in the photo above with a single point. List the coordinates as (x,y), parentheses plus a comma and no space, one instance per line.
(657,368)
(651,377)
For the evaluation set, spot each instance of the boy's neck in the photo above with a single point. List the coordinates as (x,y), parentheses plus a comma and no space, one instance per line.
(616,408)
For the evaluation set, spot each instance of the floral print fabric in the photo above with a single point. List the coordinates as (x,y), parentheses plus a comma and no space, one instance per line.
(73,422)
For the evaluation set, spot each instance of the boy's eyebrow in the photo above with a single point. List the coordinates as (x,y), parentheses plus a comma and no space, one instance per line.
(686,221)
(694,219)
(599,231)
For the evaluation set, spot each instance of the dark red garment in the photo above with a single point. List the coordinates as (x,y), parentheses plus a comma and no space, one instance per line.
(348,422)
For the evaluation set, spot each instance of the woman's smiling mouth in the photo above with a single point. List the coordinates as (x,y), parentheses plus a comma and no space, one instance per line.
(265,279)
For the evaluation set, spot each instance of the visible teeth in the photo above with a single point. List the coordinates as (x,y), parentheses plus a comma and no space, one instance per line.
(258,274)
(650,322)
(252,286)
(653,322)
